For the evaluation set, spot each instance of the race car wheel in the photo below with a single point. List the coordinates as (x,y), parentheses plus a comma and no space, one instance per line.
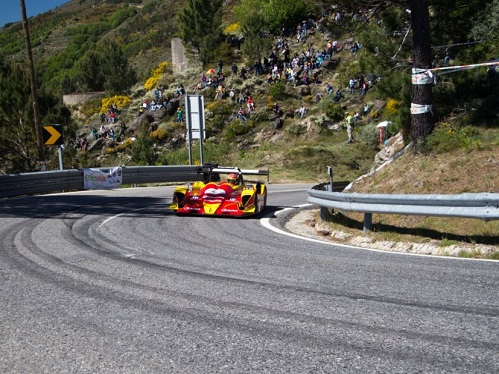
(180,199)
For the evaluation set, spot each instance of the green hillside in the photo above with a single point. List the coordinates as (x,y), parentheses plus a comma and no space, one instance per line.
(123,49)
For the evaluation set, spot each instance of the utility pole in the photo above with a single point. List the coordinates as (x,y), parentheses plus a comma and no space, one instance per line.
(34,92)
(422,120)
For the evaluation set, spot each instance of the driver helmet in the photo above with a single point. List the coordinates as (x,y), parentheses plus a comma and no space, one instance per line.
(232,178)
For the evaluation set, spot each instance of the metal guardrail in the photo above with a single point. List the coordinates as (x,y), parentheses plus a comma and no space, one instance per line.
(469,205)
(337,186)
(72,179)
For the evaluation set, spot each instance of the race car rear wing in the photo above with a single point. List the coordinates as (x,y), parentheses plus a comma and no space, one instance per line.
(232,169)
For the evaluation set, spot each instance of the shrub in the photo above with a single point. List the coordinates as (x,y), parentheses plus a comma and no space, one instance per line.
(91,107)
(392,107)
(373,114)
(166,80)
(142,151)
(296,129)
(447,137)
(220,108)
(493,256)
(159,134)
(120,148)
(232,29)
(216,124)
(333,111)
(121,15)
(236,128)
(368,134)
(120,101)
(278,90)
(156,74)
(259,116)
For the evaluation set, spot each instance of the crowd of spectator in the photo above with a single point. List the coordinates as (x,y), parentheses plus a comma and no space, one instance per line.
(301,66)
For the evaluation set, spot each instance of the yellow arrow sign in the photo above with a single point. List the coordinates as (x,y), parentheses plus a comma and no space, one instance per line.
(52,135)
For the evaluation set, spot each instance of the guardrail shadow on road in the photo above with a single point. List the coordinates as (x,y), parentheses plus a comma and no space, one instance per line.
(55,206)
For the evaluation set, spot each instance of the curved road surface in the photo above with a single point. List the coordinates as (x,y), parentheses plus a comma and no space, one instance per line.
(112,282)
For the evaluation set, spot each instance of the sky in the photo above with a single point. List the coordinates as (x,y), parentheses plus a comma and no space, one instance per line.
(10,10)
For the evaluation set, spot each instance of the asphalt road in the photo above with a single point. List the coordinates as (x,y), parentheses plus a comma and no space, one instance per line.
(112,282)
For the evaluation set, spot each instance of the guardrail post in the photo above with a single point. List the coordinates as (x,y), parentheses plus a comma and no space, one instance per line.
(324,212)
(330,173)
(368,222)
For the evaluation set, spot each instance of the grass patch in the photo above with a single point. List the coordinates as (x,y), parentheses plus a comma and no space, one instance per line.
(493,256)
(469,254)
(410,229)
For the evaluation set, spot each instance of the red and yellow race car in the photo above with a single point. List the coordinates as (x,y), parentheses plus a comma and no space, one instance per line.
(224,192)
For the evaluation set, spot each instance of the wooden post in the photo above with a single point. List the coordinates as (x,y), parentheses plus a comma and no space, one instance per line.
(34,92)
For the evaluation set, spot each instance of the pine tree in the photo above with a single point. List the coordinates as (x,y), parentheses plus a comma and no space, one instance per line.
(142,151)
(200,25)
(106,68)
(18,145)
(256,44)
(422,124)
(92,75)
(119,75)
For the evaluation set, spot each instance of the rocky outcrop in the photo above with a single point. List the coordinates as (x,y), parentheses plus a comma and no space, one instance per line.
(393,146)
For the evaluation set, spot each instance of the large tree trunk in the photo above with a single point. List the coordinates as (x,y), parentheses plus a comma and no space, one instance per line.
(34,92)
(422,122)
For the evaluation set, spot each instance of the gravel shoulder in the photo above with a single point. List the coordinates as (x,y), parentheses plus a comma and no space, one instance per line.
(307,223)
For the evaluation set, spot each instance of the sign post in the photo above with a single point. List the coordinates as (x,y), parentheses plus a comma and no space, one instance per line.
(59,151)
(194,115)
(52,135)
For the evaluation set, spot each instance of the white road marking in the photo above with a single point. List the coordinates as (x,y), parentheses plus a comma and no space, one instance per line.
(119,215)
(266,223)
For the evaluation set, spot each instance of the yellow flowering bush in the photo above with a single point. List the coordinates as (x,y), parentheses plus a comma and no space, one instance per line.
(392,106)
(232,29)
(120,148)
(373,114)
(159,134)
(155,76)
(120,100)
(269,103)
(211,106)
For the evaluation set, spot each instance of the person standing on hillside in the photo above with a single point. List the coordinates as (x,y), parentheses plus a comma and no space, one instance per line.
(122,128)
(275,108)
(250,104)
(329,88)
(232,95)
(219,92)
(179,115)
(349,122)
(302,111)
(351,85)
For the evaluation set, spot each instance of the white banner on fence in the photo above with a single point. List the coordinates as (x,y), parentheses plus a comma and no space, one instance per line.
(96,179)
